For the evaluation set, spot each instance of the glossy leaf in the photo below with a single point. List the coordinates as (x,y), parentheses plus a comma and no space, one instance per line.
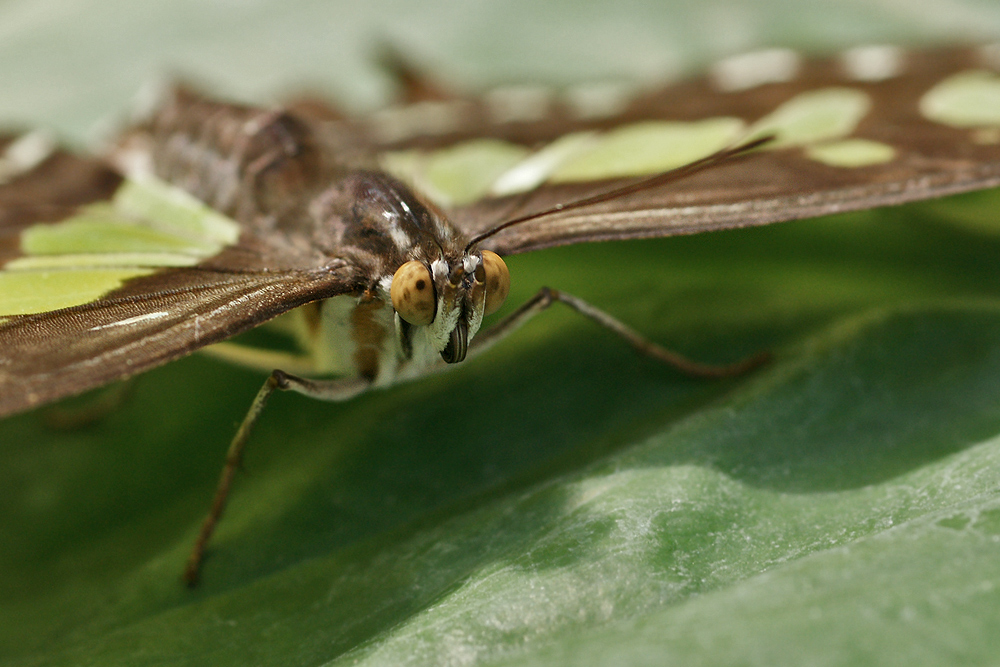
(558,522)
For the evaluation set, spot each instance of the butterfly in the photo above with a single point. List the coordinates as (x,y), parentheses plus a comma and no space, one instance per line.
(377,243)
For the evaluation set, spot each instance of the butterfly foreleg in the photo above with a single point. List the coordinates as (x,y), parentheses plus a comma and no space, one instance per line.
(327,390)
(547,296)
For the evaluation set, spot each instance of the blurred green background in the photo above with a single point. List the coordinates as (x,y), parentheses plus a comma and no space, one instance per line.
(559,501)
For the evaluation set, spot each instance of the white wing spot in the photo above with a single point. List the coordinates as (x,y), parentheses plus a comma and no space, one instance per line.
(25,153)
(750,70)
(434,118)
(132,320)
(533,170)
(597,100)
(873,63)
(133,155)
(511,104)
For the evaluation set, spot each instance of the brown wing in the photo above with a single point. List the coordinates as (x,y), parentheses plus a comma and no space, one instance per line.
(59,353)
(758,190)
(147,320)
(931,159)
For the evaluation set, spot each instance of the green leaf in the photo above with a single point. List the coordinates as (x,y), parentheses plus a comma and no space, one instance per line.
(561,500)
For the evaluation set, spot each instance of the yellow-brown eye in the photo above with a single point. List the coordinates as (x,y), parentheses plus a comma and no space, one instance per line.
(412,293)
(497,281)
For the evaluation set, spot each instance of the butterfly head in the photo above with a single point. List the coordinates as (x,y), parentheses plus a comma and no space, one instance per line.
(450,299)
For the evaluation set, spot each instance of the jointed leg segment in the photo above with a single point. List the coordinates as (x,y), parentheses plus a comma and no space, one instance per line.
(547,296)
(334,390)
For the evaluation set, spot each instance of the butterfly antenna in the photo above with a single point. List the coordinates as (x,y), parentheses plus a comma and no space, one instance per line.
(653,181)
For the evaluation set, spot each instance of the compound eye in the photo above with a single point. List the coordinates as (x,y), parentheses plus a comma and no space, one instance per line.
(497,281)
(412,293)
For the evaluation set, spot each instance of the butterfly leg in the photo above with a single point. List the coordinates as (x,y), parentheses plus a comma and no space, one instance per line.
(330,390)
(547,296)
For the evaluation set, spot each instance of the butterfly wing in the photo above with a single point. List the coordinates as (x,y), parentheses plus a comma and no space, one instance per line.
(871,127)
(102,278)
(758,189)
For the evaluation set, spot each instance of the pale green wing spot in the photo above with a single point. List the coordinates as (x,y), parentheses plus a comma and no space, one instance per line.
(148,225)
(26,292)
(536,168)
(99,260)
(170,208)
(462,173)
(467,171)
(456,175)
(100,230)
(814,117)
(966,99)
(147,217)
(649,148)
(851,153)
(407,166)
